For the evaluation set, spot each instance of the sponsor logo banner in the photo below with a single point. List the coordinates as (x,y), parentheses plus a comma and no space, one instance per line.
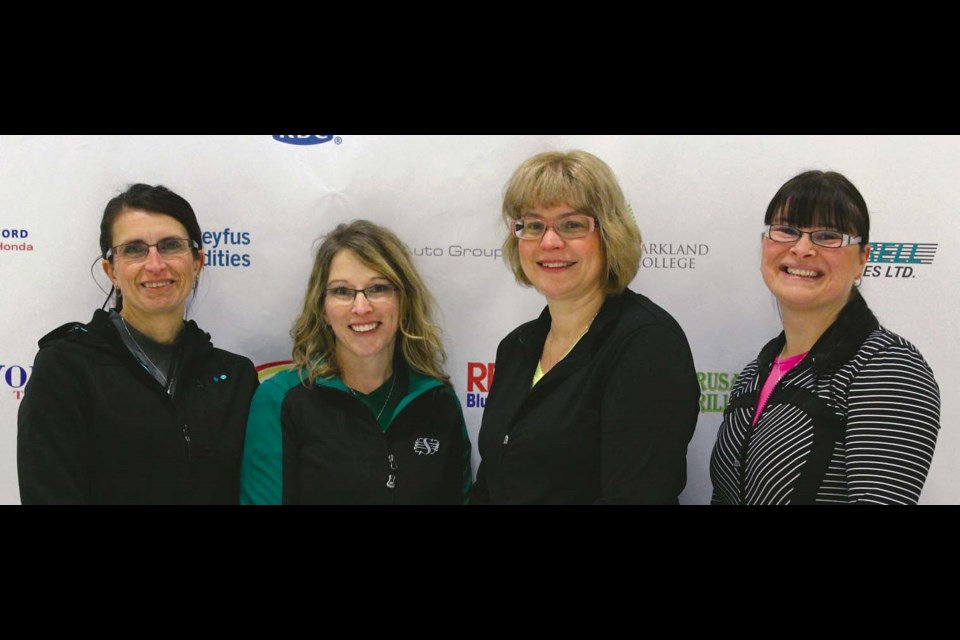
(459,251)
(479,379)
(13,240)
(673,255)
(899,259)
(302,141)
(268,370)
(226,248)
(13,378)
(715,387)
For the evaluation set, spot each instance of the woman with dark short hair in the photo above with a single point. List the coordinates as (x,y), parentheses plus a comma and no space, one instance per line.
(836,409)
(597,399)
(137,406)
(367,414)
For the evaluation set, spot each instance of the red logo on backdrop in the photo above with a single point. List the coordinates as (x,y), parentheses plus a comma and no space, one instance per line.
(479,379)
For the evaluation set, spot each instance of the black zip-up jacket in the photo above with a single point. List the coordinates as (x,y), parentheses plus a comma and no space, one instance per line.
(610,423)
(320,444)
(95,427)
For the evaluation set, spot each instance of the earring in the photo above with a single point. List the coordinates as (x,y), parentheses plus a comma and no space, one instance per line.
(858,280)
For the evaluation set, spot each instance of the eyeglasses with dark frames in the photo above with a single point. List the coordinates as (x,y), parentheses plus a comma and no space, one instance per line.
(374,293)
(828,238)
(167,248)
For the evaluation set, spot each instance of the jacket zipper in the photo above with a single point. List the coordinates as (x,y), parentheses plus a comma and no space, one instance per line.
(392,466)
(742,466)
(392,475)
(169,393)
(186,439)
(171,389)
(744,451)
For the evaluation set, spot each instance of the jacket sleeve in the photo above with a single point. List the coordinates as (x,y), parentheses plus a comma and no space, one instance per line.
(893,418)
(248,387)
(648,413)
(53,452)
(465,473)
(261,474)
(479,494)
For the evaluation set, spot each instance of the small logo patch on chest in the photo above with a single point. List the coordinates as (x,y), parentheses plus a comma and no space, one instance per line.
(426,446)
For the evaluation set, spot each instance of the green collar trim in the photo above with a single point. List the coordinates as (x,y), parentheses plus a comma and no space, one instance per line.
(417,385)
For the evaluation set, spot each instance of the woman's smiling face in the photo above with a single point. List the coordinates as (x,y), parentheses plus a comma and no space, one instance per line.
(155,285)
(562,268)
(805,277)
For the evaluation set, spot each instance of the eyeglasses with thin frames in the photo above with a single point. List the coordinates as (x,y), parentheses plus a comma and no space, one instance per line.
(167,248)
(569,227)
(374,293)
(827,238)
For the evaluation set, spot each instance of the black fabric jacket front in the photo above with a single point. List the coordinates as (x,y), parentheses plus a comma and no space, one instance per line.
(610,423)
(95,427)
(320,444)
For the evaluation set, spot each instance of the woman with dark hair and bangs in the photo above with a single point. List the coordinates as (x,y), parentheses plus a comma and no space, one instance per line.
(137,406)
(836,409)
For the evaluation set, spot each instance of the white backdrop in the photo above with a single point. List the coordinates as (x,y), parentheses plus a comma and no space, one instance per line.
(699,201)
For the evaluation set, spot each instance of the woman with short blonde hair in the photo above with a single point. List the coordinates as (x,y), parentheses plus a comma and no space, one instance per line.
(596,400)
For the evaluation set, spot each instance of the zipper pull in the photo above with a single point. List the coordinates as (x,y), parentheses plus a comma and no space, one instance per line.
(186,439)
(392,477)
(506,439)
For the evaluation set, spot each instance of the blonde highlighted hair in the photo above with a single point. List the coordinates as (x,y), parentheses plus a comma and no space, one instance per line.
(378,248)
(584,182)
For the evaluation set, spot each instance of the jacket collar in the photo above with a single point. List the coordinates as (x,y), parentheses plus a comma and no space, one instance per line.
(838,344)
(533,335)
(415,383)
(100,333)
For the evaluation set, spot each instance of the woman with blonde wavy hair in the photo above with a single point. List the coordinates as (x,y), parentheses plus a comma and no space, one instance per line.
(367,414)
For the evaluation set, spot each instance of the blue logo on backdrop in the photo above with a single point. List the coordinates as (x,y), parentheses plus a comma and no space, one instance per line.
(307,140)
(226,248)
(14,377)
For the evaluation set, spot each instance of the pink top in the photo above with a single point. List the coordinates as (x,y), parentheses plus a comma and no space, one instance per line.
(780,368)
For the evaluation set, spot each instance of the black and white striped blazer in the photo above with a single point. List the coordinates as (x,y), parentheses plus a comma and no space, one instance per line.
(855,422)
